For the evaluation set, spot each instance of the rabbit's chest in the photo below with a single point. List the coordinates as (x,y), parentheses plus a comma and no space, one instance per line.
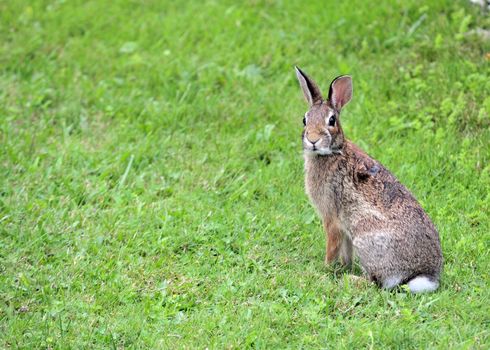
(325,196)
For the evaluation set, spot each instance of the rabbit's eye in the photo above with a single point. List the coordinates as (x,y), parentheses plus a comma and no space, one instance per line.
(331,121)
(304,121)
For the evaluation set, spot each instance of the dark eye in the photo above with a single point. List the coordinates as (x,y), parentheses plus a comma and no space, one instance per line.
(331,121)
(304,121)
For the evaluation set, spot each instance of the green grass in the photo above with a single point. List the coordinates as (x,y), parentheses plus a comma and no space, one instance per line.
(152,183)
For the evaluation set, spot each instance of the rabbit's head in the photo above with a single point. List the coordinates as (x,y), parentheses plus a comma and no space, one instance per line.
(322,133)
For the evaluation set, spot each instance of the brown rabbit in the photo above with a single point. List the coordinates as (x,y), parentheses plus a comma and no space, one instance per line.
(362,205)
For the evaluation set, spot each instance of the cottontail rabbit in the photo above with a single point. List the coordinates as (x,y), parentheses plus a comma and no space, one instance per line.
(362,205)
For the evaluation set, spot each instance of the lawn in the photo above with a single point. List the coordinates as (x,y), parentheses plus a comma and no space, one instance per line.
(151,174)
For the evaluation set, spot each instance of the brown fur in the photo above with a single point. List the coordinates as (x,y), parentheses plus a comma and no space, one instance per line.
(363,205)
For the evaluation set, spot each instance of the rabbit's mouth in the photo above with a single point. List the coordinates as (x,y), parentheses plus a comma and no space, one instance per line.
(317,150)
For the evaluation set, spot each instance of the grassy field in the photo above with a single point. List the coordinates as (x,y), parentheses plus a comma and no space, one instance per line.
(152,178)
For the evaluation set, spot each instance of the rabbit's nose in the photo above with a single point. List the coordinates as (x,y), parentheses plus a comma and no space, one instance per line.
(312,139)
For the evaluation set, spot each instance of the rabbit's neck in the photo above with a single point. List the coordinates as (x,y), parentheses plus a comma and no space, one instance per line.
(324,182)
(323,164)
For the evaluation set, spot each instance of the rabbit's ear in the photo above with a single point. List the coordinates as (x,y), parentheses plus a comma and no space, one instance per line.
(340,91)
(310,89)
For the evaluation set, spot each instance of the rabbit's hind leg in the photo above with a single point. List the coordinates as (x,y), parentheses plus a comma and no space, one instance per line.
(391,282)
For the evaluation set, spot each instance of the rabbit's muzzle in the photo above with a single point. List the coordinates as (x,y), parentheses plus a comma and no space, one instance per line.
(317,142)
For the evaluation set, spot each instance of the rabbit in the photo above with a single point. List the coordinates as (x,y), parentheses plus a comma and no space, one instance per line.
(364,209)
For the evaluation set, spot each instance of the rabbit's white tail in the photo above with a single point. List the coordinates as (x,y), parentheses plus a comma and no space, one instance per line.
(422,284)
